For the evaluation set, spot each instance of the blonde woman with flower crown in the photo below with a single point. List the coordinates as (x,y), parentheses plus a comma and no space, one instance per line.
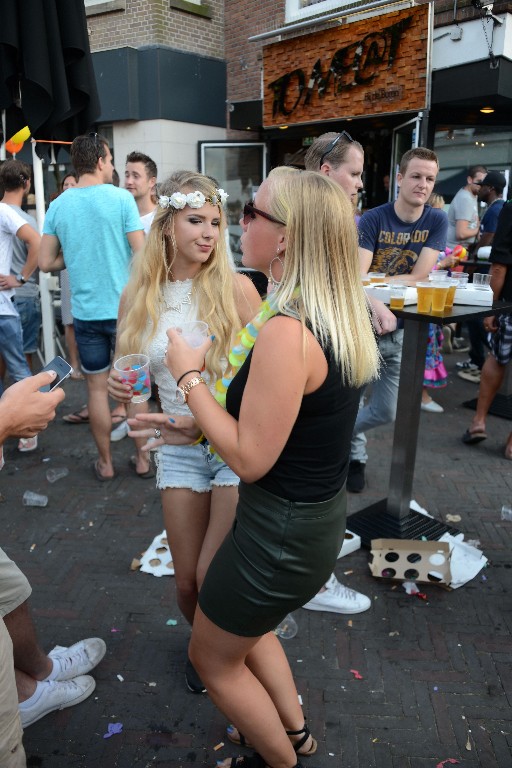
(183,274)
(291,398)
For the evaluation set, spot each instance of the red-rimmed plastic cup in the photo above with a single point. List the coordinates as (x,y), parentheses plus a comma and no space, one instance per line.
(134,370)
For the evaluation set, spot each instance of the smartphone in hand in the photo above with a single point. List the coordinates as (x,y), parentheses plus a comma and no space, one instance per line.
(61,368)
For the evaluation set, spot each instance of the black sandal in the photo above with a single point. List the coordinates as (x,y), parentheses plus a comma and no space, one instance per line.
(242,741)
(255,761)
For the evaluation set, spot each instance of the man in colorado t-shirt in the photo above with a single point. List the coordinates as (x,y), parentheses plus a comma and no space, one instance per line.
(402,239)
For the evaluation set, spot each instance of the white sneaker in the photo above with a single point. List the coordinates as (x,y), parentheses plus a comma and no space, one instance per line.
(76,660)
(119,432)
(51,695)
(432,407)
(27,444)
(338,599)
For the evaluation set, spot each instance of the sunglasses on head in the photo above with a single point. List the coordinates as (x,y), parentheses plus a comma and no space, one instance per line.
(250,212)
(342,135)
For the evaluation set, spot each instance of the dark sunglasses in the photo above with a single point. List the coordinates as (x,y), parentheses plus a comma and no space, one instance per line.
(342,135)
(250,212)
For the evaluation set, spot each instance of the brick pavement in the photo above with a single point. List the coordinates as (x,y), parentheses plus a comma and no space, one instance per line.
(436,674)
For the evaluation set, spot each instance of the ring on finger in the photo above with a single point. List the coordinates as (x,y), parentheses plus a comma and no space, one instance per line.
(158,434)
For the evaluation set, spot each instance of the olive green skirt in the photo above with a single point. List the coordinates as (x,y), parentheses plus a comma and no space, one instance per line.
(277,556)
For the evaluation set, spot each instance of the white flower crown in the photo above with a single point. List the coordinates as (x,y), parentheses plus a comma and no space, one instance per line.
(194,199)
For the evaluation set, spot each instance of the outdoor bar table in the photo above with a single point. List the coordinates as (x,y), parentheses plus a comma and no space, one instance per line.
(392,518)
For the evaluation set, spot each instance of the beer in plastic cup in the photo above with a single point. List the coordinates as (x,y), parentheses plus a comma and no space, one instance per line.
(424,297)
(439,293)
(397,296)
(450,296)
(377,277)
(134,370)
(365,279)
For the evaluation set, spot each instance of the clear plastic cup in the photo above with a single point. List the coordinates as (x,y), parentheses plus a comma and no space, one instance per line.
(450,296)
(424,290)
(397,296)
(365,279)
(194,332)
(439,294)
(134,370)
(287,628)
(480,278)
(31,499)
(438,274)
(461,277)
(377,277)
(57,473)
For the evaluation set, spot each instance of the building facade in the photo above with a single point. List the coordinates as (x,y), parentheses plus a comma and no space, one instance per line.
(161,75)
(393,74)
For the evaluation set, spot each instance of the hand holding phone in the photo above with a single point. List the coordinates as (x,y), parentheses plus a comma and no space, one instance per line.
(61,368)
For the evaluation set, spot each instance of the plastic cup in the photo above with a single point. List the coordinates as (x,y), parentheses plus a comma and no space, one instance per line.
(52,475)
(481,279)
(439,294)
(31,499)
(365,279)
(397,296)
(287,628)
(438,274)
(424,290)
(194,332)
(134,370)
(450,296)
(461,277)
(377,277)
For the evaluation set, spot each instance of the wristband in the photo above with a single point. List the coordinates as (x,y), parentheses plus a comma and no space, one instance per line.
(186,374)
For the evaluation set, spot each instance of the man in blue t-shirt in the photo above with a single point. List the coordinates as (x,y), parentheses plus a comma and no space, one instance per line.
(402,239)
(490,192)
(91,230)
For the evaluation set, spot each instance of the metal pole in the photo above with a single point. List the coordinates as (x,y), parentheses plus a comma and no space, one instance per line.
(46,301)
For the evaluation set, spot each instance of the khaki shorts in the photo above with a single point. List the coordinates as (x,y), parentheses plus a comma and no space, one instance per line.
(14,586)
(12,754)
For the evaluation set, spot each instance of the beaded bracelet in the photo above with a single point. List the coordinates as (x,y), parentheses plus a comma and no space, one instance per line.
(186,374)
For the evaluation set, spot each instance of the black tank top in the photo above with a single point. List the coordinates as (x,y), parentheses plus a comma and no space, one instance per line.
(313,465)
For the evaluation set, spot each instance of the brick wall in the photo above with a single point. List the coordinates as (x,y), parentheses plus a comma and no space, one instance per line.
(147,22)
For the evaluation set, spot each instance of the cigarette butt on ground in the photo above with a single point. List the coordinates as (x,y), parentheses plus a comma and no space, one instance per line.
(218,746)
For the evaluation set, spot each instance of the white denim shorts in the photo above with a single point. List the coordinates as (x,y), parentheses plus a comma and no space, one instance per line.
(192,467)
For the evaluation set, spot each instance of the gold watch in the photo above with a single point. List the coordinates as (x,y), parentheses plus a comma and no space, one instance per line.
(183,392)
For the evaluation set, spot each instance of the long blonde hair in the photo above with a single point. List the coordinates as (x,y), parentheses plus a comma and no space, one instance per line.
(213,288)
(322,257)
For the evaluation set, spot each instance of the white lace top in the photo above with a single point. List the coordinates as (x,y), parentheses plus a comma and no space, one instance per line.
(179,308)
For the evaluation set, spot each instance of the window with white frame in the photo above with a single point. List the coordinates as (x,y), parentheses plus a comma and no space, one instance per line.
(103,6)
(302,9)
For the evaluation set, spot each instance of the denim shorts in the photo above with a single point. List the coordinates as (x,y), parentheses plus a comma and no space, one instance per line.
(96,341)
(29,310)
(192,467)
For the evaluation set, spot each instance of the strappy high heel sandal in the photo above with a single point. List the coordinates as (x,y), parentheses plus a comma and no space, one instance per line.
(236,737)
(255,761)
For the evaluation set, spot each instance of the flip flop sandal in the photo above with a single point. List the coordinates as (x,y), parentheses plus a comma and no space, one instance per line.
(99,476)
(76,417)
(147,475)
(471,438)
(238,738)
(117,418)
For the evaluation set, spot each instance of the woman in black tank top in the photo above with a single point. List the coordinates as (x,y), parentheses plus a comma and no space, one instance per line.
(284,426)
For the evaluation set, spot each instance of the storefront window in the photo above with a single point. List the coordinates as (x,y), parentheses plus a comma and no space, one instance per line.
(303,9)
(239,169)
(461,146)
